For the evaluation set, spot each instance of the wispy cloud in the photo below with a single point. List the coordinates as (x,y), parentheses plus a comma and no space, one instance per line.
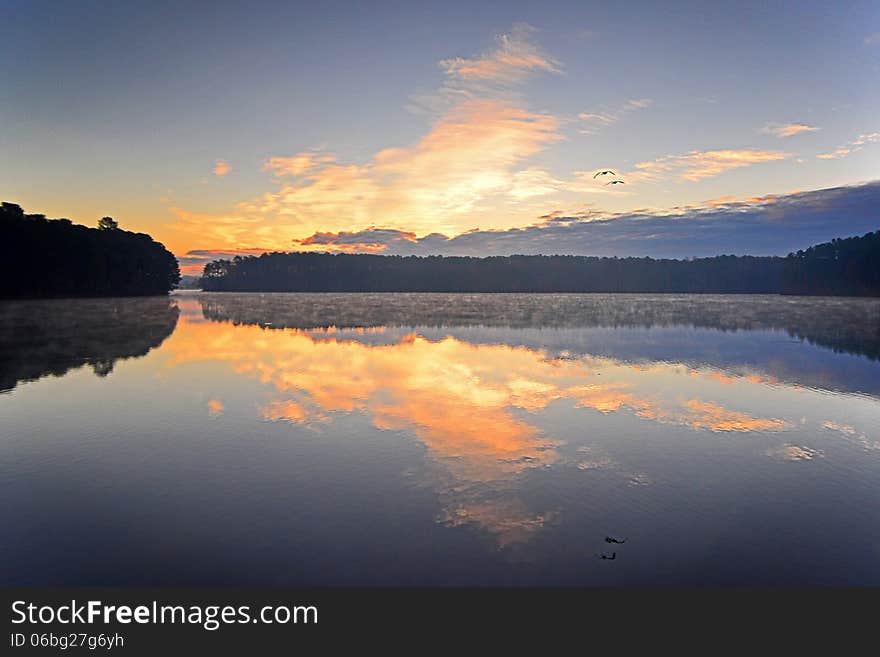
(835,154)
(221,168)
(872,39)
(697,165)
(297,165)
(593,121)
(782,130)
(851,146)
(514,58)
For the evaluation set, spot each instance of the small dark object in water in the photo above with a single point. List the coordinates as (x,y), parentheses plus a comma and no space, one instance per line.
(611,539)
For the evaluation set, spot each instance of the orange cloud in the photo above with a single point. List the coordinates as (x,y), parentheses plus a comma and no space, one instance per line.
(835,154)
(221,168)
(298,164)
(215,407)
(721,201)
(851,147)
(782,130)
(697,165)
(289,410)
(469,156)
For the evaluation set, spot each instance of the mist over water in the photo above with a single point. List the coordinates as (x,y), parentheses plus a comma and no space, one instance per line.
(440,439)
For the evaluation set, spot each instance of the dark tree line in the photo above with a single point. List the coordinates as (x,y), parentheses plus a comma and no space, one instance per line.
(42,257)
(842,267)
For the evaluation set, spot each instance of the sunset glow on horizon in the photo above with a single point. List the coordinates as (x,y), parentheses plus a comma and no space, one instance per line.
(386,129)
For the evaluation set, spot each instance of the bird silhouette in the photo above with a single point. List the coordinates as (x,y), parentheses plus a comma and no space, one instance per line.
(603,173)
(611,539)
(611,557)
(616,182)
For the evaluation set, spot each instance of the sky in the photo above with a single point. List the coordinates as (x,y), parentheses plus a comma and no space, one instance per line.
(456,127)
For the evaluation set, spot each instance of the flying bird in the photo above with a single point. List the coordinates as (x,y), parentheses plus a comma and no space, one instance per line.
(610,557)
(603,173)
(616,182)
(611,539)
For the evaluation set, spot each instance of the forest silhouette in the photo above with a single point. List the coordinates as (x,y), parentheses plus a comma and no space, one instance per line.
(42,257)
(56,258)
(848,266)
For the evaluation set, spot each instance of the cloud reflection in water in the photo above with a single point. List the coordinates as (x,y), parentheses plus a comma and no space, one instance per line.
(477,408)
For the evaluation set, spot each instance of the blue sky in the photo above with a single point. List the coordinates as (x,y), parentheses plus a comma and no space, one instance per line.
(251,126)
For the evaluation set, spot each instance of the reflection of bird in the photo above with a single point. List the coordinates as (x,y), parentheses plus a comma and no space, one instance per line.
(611,539)
(616,182)
(603,173)
(612,557)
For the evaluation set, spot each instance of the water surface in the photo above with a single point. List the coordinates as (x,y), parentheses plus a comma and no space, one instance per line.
(440,439)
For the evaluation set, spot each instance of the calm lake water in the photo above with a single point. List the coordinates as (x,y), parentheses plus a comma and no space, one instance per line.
(434,439)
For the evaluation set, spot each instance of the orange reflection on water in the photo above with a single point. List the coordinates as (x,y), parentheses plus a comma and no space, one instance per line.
(457,398)
(706,415)
(693,413)
(475,407)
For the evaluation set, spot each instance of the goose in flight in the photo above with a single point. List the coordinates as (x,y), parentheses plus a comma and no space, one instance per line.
(611,539)
(610,557)
(616,182)
(603,173)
